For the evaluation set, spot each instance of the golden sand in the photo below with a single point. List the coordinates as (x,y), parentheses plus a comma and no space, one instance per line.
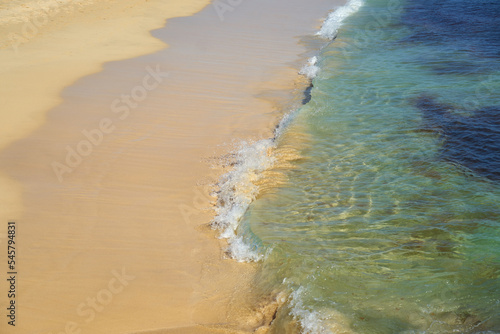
(109,180)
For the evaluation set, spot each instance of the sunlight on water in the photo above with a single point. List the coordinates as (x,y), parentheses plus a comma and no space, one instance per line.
(380,228)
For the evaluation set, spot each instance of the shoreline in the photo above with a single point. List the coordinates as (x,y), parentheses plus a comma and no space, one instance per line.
(136,201)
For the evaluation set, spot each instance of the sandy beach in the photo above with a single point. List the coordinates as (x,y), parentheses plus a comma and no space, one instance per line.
(115,125)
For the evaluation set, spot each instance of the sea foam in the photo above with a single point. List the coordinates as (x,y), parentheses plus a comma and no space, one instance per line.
(333,22)
(237,189)
(310,70)
(310,321)
(319,321)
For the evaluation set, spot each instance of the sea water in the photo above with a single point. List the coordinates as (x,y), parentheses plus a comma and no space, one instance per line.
(388,218)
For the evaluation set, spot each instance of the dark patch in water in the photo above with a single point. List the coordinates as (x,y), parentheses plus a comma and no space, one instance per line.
(307,94)
(457,67)
(461,24)
(471,141)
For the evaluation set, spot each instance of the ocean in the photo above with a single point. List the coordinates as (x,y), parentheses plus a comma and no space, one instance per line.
(376,206)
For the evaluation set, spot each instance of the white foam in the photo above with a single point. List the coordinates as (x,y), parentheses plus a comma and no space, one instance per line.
(237,190)
(334,21)
(310,321)
(310,70)
(320,320)
(241,251)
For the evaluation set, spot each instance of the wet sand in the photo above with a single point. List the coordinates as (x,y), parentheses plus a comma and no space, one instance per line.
(115,184)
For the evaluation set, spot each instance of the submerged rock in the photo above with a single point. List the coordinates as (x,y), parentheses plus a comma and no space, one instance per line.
(472,141)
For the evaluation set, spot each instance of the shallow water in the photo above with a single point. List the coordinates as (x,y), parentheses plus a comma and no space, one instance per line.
(389,221)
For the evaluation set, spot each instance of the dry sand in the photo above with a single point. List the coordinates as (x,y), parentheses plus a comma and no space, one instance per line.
(109,179)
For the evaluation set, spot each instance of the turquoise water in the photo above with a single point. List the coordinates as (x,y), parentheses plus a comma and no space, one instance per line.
(386,225)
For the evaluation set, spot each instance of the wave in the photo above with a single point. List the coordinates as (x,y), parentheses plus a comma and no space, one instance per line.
(310,70)
(333,22)
(310,321)
(321,321)
(237,188)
